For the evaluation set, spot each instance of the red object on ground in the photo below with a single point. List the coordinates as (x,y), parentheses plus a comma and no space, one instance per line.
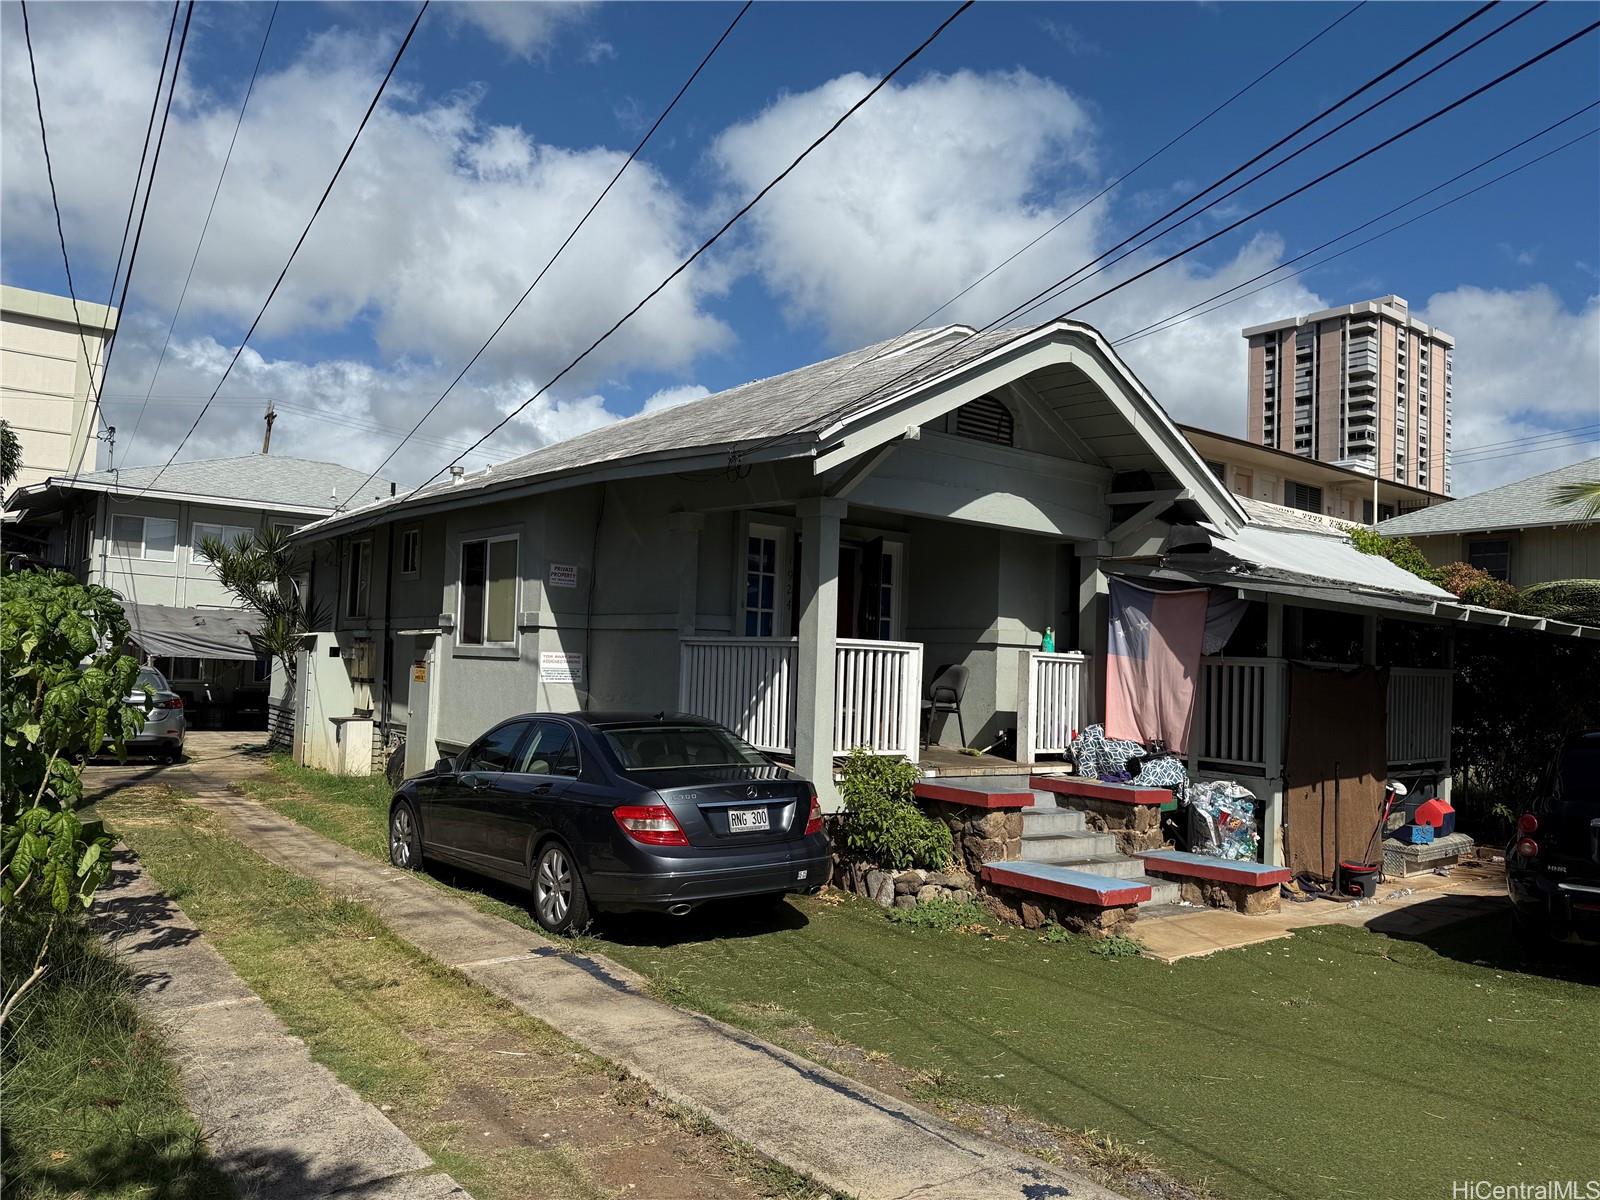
(1432,812)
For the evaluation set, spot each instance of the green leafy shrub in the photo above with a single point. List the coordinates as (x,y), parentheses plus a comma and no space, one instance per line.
(941,915)
(1473,585)
(1402,552)
(1116,946)
(882,823)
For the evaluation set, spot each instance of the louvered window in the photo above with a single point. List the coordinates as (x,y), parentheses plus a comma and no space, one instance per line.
(985,419)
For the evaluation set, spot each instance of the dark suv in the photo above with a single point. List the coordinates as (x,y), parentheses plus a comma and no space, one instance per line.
(1553,862)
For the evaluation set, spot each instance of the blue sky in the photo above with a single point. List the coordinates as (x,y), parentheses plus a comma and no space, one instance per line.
(506,119)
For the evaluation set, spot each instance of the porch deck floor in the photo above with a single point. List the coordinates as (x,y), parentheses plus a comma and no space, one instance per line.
(937,761)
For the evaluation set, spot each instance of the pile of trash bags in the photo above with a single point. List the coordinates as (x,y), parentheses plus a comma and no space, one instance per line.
(1220,814)
(1222,820)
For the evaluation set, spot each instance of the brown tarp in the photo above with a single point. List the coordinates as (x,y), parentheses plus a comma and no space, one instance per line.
(1336,764)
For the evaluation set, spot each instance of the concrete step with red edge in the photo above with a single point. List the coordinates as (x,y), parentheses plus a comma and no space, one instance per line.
(1073,846)
(978,791)
(1066,883)
(1045,821)
(1222,870)
(1066,788)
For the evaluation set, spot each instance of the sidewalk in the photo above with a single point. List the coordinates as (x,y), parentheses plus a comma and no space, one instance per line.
(846,1135)
(281,1126)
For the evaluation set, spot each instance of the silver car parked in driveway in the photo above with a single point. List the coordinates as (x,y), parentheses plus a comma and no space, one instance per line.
(161,736)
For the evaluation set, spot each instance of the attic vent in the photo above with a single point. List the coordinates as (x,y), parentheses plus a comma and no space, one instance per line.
(985,419)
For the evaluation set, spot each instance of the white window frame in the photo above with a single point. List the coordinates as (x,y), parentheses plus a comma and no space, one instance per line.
(144,539)
(226,532)
(357,598)
(782,538)
(489,540)
(411,548)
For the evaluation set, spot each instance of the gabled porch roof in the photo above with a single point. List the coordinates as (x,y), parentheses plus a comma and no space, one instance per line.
(840,410)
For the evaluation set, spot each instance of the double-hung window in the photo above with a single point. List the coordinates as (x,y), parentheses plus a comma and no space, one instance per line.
(144,537)
(199,531)
(488,602)
(357,578)
(1492,555)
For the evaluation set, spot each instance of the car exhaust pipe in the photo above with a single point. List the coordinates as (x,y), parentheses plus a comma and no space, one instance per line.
(680,910)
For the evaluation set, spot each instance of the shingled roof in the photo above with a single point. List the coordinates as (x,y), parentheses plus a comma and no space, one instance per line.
(271,481)
(1520,505)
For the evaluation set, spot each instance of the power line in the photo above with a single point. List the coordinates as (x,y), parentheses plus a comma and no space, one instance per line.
(649,133)
(1595,427)
(1349,162)
(1530,442)
(1056,291)
(204,227)
(367,116)
(921,365)
(715,237)
(1173,320)
(1534,449)
(149,187)
(55,204)
(133,199)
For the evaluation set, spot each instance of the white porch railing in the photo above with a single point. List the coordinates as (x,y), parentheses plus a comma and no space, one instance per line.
(750,685)
(1049,702)
(877,689)
(747,684)
(1232,703)
(1419,715)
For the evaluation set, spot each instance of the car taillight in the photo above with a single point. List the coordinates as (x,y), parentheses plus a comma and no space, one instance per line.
(174,702)
(651,824)
(1527,848)
(814,821)
(1527,823)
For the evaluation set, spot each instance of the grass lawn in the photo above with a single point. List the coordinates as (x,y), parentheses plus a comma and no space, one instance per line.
(91,1099)
(1336,1063)
(505,1104)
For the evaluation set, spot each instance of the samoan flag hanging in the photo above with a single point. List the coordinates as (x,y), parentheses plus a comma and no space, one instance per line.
(1152,660)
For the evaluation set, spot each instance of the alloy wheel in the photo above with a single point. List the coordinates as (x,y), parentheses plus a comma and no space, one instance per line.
(400,836)
(552,888)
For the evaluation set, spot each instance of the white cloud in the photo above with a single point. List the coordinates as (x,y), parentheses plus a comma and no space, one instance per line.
(524,27)
(673,396)
(919,193)
(1525,364)
(437,224)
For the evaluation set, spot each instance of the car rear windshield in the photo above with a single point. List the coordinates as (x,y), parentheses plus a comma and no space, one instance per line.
(149,678)
(1578,786)
(657,747)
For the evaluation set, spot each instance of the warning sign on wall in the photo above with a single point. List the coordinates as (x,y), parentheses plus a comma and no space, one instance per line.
(419,671)
(563,575)
(556,667)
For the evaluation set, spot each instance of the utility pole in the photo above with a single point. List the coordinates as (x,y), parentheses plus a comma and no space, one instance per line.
(266,440)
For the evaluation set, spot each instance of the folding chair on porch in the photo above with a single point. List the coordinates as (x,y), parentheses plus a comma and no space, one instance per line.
(944,696)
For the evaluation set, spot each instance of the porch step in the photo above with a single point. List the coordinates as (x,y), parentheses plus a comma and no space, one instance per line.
(1066,847)
(1066,883)
(1163,892)
(1115,866)
(1042,821)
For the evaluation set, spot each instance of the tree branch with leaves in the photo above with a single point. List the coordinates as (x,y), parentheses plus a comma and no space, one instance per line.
(261,569)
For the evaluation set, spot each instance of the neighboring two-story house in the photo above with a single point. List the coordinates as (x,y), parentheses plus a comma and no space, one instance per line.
(138,531)
(1515,532)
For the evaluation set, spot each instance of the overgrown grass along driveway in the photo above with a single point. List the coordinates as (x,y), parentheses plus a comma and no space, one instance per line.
(508,1106)
(1336,1063)
(91,1099)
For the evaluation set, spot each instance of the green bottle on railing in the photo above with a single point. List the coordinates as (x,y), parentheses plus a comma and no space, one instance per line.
(1048,645)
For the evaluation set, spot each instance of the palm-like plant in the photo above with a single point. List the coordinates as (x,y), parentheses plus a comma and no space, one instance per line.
(260,568)
(1584,495)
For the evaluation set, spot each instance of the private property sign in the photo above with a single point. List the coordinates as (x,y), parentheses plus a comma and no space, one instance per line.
(556,667)
(563,575)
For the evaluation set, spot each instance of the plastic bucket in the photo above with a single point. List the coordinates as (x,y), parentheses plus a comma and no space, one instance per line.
(1358,879)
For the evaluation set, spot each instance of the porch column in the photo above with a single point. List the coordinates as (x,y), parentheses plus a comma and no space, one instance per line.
(819,638)
(1273,710)
(1093,613)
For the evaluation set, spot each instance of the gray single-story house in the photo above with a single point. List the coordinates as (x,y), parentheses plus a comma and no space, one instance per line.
(798,556)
